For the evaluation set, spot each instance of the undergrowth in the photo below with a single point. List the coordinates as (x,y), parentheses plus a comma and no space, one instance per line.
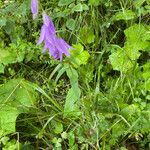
(98,98)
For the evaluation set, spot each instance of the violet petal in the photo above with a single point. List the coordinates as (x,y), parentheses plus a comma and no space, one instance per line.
(49,23)
(42,35)
(34,8)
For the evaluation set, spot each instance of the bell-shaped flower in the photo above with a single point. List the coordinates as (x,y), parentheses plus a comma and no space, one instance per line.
(56,46)
(34,8)
(49,23)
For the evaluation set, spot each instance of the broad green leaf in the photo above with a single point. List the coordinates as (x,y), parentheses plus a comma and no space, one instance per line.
(131,52)
(137,37)
(79,56)
(78,7)
(85,7)
(124,15)
(70,24)
(8,116)
(71,108)
(7,57)
(73,75)
(65,2)
(15,97)
(120,61)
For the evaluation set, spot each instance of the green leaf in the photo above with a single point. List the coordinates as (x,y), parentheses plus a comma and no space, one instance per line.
(15,97)
(64,2)
(79,56)
(120,61)
(60,73)
(58,128)
(71,108)
(78,7)
(131,52)
(7,57)
(71,138)
(124,15)
(137,37)
(8,116)
(70,24)
(85,7)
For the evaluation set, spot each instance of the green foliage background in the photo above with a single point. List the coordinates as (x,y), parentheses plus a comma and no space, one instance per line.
(98,98)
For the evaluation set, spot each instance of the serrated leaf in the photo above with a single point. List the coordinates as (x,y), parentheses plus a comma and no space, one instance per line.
(124,15)
(137,36)
(120,61)
(123,59)
(131,52)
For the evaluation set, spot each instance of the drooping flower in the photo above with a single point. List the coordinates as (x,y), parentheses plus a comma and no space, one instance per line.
(49,23)
(48,31)
(56,46)
(34,8)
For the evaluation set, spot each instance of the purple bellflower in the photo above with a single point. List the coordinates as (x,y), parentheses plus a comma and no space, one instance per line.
(34,8)
(56,46)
